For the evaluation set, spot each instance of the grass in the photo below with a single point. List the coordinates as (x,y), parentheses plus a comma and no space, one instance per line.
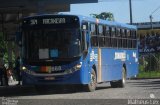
(149,74)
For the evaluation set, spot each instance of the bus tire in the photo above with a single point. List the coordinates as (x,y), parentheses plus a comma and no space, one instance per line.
(120,83)
(93,83)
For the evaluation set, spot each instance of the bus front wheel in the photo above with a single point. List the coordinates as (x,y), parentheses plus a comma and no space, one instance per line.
(120,83)
(93,82)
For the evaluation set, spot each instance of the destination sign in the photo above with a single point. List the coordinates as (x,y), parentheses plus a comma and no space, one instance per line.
(54,21)
(46,21)
(51,21)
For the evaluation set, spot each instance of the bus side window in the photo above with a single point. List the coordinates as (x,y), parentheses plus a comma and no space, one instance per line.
(107,36)
(131,38)
(100,30)
(134,38)
(124,38)
(85,25)
(101,36)
(113,32)
(94,38)
(118,32)
(113,36)
(93,29)
(122,32)
(128,38)
(85,43)
(118,37)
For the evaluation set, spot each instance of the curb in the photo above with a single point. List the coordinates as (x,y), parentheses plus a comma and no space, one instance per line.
(143,78)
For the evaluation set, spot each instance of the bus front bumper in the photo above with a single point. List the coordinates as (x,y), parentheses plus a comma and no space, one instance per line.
(46,79)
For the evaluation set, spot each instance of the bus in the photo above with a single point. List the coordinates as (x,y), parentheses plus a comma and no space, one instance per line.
(77,50)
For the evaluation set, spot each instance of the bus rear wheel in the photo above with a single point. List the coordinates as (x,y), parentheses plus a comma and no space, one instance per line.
(120,83)
(93,83)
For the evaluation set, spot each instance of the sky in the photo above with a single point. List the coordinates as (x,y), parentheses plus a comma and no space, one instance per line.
(141,9)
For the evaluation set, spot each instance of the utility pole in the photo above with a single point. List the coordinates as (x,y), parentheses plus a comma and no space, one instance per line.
(151,21)
(151,17)
(130,8)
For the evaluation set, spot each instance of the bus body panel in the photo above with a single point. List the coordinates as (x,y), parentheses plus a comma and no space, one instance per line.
(111,68)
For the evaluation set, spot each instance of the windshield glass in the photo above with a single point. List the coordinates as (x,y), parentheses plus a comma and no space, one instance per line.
(50,44)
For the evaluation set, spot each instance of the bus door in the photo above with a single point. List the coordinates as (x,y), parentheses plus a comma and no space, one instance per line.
(85,51)
(85,39)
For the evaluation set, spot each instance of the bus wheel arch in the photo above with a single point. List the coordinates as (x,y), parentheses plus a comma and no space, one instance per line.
(90,87)
(95,69)
(125,68)
(120,83)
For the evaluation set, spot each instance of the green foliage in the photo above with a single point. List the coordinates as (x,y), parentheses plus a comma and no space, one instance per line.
(3,44)
(149,66)
(149,74)
(3,48)
(104,15)
(150,62)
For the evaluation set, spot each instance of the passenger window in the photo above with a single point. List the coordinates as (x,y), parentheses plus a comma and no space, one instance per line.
(113,32)
(100,30)
(113,37)
(94,37)
(118,32)
(107,33)
(85,25)
(93,29)
(101,38)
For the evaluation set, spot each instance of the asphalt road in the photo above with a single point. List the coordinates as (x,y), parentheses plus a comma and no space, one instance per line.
(135,89)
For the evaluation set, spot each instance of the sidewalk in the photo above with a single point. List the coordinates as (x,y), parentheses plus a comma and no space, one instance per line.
(11,83)
(14,89)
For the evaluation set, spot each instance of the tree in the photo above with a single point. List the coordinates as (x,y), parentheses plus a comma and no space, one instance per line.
(3,44)
(3,48)
(104,15)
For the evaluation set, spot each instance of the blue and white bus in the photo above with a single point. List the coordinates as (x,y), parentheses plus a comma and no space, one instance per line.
(77,50)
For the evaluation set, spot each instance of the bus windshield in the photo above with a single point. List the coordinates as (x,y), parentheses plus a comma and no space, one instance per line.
(51,44)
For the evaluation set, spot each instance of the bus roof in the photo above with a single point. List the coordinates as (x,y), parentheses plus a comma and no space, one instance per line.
(90,19)
(107,22)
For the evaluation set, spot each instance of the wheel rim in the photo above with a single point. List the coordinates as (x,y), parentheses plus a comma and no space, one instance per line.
(93,80)
(124,77)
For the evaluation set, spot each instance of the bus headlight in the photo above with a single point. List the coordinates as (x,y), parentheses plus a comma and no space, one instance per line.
(27,71)
(24,68)
(78,66)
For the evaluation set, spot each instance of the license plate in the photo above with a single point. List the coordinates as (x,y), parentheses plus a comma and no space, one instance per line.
(49,78)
